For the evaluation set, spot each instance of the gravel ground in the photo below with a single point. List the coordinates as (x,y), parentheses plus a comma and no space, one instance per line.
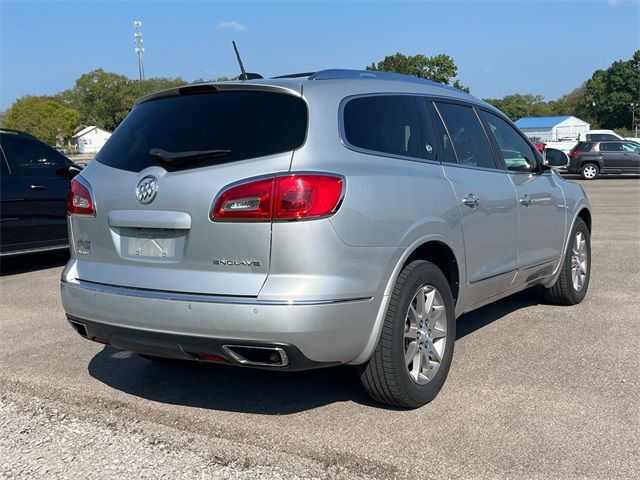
(47,439)
(535,392)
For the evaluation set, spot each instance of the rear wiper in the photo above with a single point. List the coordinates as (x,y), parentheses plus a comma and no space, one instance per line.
(184,158)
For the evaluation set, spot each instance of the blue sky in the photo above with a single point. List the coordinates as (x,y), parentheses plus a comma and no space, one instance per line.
(500,47)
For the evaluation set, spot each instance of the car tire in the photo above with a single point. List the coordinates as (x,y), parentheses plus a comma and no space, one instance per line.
(572,284)
(589,171)
(387,377)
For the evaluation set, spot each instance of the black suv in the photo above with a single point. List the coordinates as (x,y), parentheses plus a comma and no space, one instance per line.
(34,183)
(591,159)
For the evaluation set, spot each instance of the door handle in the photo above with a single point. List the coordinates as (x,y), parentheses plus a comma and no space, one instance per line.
(38,187)
(471,201)
(526,200)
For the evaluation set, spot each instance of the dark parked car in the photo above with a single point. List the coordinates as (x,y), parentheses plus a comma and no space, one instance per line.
(35,181)
(591,159)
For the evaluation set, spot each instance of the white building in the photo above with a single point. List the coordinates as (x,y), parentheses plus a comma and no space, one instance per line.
(91,139)
(552,129)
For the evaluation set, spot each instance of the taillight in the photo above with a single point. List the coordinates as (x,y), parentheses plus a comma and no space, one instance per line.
(574,153)
(79,200)
(288,197)
(249,201)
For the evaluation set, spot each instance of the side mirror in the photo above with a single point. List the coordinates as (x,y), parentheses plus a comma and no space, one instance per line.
(555,158)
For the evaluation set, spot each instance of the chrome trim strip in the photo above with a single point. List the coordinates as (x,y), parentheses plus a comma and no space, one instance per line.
(26,251)
(196,297)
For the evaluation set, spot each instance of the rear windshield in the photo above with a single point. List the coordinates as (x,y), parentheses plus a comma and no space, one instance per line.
(249,123)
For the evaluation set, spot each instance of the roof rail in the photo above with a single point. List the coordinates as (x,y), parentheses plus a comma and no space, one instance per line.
(335,74)
(295,75)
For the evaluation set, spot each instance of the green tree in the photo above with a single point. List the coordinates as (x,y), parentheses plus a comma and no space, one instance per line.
(517,105)
(139,88)
(440,68)
(571,104)
(102,98)
(611,93)
(42,117)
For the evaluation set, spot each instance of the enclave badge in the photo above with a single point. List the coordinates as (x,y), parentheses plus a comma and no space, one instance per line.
(147,189)
(236,263)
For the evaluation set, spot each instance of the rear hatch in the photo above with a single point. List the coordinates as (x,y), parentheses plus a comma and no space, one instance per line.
(153,194)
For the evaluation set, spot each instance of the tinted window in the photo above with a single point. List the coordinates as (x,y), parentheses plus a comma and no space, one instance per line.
(467,136)
(516,152)
(443,141)
(3,165)
(249,123)
(611,147)
(601,137)
(384,123)
(31,158)
(584,146)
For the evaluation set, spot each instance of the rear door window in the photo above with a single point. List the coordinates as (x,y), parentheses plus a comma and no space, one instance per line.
(31,158)
(247,123)
(611,147)
(469,140)
(386,124)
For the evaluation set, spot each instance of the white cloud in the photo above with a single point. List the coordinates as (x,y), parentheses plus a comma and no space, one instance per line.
(235,26)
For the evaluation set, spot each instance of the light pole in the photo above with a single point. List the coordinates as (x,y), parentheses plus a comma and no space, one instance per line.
(633,117)
(137,36)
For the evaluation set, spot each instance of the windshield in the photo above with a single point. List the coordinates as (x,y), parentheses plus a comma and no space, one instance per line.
(247,123)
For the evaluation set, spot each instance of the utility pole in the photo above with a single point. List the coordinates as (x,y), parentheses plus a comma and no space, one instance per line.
(137,36)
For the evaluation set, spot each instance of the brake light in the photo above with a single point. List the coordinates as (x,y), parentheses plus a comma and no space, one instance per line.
(288,197)
(79,200)
(574,153)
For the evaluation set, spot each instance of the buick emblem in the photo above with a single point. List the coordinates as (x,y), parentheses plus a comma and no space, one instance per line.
(147,189)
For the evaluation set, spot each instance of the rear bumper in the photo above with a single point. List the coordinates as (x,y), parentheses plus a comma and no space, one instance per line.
(174,324)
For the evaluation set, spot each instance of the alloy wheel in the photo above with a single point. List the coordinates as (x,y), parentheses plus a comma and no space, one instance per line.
(579,261)
(425,333)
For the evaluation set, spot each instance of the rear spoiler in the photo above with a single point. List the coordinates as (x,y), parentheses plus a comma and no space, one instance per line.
(276,86)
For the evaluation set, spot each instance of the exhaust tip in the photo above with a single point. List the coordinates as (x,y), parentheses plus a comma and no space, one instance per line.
(80,328)
(257,356)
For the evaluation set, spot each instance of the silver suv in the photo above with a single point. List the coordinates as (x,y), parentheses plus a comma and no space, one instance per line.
(342,217)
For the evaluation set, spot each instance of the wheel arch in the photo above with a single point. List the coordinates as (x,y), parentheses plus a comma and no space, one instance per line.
(436,249)
(585,215)
(442,256)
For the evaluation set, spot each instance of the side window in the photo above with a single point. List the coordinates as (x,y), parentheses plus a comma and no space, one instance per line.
(31,158)
(584,146)
(601,137)
(611,147)
(467,135)
(448,155)
(384,123)
(631,147)
(518,156)
(4,169)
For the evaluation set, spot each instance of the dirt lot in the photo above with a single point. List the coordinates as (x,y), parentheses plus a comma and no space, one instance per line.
(535,391)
